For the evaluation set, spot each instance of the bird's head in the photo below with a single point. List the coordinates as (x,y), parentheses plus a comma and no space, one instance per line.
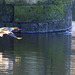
(16,28)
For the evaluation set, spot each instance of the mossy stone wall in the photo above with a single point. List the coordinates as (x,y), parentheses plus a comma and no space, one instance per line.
(41,15)
(73,11)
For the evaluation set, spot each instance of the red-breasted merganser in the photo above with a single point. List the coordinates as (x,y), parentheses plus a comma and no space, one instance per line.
(8,31)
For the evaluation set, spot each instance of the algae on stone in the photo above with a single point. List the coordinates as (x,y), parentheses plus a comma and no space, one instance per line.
(39,13)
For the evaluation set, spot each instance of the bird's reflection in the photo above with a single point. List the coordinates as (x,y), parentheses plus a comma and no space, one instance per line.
(6,55)
(7,58)
(6,64)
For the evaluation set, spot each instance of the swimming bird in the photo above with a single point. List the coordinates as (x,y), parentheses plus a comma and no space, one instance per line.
(8,31)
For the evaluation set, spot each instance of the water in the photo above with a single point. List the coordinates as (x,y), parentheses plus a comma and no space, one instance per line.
(72,62)
(36,54)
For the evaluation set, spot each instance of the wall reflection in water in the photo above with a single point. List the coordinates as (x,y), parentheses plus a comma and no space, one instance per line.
(36,54)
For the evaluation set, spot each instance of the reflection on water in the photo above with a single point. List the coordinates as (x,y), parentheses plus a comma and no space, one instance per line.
(35,54)
(72,67)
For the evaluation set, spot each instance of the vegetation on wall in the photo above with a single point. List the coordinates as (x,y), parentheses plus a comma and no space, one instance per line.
(38,10)
(43,10)
(39,13)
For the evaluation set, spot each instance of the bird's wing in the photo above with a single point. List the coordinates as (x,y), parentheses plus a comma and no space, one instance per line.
(12,34)
(4,29)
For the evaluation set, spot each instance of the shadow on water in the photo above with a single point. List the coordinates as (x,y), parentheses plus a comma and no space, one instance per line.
(35,54)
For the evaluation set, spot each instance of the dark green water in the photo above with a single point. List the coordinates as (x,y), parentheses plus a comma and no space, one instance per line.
(35,54)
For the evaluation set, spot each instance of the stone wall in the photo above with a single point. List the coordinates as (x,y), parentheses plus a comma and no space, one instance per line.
(39,16)
(73,11)
(6,13)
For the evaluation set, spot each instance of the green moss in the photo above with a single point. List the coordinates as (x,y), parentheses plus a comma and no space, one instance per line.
(55,11)
(42,10)
(1,1)
(27,13)
(39,13)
